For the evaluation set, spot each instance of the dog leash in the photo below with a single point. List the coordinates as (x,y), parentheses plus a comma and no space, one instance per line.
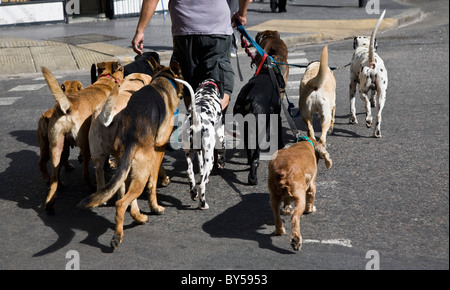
(265,55)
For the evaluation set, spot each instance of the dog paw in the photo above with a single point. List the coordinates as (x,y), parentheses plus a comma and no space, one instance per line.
(310,209)
(159,210)
(164,182)
(116,241)
(252,180)
(377,134)
(369,123)
(287,210)
(353,120)
(296,243)
(279,232)
(203,205)
(194,194)
(141,219)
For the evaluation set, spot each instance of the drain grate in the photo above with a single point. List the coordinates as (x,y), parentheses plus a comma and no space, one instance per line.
(85,38)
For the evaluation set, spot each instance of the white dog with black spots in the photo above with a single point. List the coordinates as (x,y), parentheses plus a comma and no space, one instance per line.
(368,70)
(205,131)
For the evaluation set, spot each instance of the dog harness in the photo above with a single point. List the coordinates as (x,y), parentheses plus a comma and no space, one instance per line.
(304,138)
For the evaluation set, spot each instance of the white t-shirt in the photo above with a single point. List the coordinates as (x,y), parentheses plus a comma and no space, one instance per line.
(200,17)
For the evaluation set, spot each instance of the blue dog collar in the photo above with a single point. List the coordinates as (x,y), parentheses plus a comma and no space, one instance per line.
(304,138)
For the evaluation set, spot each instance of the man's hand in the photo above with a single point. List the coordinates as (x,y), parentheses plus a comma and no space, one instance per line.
(138,43)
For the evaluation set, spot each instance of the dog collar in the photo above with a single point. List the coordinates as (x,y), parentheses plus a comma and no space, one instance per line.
(111,77)
(211,83)
(172,83)
(304,138)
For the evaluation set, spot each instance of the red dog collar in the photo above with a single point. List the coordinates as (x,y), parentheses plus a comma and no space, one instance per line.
(111,77)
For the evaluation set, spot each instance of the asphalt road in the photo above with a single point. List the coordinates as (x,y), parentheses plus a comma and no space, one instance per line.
(383,198)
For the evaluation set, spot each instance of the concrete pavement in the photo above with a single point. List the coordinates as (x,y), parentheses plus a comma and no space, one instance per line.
(75,46)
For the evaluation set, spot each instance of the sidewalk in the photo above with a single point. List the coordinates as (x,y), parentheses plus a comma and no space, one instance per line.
(75,46)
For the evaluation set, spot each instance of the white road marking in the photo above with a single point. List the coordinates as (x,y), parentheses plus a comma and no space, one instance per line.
(42,78)
(298,61)
(8,101)
(295,54)
(338,242)
(296,70)
(22,88)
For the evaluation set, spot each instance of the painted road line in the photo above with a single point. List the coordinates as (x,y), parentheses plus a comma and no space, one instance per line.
(9,101)
(22,88)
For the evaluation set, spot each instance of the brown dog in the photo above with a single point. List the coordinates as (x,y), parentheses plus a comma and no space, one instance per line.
(292,177)
(42,133)
(274,46)
(71,120)
(318,95)
(143,130)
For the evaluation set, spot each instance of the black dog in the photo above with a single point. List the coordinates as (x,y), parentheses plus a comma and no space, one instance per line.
(260,96)
(141,64)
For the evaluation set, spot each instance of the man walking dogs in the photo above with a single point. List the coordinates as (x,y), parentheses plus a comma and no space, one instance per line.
(202,37)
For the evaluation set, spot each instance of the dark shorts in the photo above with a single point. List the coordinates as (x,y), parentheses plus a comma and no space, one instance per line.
(205,56)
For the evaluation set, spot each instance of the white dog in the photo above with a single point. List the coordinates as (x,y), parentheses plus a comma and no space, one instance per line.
(318,95)
(205,129)
(368,70)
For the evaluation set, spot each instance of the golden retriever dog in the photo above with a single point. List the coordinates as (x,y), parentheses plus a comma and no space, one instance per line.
(143,130)
(318,95)
(71,120)
(292,178)
(42,133)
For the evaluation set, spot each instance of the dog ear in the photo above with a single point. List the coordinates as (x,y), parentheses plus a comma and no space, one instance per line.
(93,73)
(176,69)
(258,37)
(116,66)
(153,54)
(79,86)
(355,42)
(322,153)
(156,66)
(100,68)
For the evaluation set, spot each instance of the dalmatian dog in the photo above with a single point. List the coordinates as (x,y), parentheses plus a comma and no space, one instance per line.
(368,72)
(205,131)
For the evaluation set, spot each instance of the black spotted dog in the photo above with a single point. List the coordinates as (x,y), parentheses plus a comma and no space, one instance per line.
(369,75)
(205,131)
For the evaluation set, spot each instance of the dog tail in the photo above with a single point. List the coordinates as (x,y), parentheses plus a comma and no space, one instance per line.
(196,126)
(318,81)
(114,184)
(372,39)
(56,90)
(105,117)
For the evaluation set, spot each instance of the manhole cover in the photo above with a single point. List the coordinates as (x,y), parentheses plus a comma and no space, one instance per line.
(85,38)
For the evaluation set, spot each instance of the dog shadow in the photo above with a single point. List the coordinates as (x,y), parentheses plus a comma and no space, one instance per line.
(30,193)
(246,221)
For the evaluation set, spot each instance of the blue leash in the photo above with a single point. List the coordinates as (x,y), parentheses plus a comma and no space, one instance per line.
(261,52)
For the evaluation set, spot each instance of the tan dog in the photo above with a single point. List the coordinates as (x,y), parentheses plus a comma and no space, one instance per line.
(71,120)
(318,95)
(143,130)
(42,133)
(103,127)
(274,46)
(292,177)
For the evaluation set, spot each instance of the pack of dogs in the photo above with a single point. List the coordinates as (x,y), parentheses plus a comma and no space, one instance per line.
(128,113)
